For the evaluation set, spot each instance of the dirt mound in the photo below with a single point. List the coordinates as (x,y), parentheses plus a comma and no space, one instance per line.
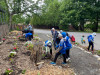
(48,69)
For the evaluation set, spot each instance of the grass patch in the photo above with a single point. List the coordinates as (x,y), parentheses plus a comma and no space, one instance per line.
(98,52)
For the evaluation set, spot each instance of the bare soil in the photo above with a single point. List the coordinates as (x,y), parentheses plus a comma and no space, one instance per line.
(21,61)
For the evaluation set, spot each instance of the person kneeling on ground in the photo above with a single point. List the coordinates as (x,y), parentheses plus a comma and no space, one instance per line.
(91,41)
(61,50)
(28,36)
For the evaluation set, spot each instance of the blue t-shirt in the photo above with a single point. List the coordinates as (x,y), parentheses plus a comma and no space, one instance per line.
(90,38)
(27,35)
(61,44)
(67,43)
(63,34)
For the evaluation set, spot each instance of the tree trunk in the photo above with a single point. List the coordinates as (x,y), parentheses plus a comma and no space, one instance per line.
(82,24)
(10,22)
(95,26)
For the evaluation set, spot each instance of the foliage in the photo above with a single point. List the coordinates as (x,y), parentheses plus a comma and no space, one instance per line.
(11,55)
(27,43)
(30,46)
(98,52)
(23,71)
(8,71)
(61,13)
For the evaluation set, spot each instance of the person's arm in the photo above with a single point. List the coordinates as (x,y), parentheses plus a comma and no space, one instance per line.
(60,45)
(59,49)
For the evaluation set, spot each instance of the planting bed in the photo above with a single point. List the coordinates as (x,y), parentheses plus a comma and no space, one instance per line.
(21,64)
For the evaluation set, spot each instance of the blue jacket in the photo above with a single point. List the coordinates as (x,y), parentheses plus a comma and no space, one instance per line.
(90,38)
(28,35)
(63,34)
(62,46)
(67,43)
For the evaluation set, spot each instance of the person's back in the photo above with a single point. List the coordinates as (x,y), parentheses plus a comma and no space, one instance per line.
(90,38)
(67,42)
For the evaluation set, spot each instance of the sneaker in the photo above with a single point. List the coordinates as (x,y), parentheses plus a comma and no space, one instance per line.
(53,63)
(67,59)
(64,63)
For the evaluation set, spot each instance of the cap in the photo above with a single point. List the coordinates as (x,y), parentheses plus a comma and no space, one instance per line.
(94,34)
(59,35)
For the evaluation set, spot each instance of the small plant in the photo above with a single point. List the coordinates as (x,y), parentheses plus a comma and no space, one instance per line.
(76,43)
(23,71)
(36,35)
(30,46)
(11,55)
(8,71)
(98,52)
(15,48)
(27,43)
(38,73)
(11,60)
(15,44)
(4,39)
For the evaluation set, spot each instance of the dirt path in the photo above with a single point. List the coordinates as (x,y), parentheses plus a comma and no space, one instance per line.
(82,62)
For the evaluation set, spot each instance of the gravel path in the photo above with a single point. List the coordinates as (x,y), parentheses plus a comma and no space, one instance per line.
(83,63)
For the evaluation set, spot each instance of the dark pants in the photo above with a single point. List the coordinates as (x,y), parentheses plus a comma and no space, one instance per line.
(30,37)
(56,56)
(51,51)
(91,44)
(68,53)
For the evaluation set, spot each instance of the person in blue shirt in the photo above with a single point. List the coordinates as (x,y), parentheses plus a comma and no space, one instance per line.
(28,36)
(61,50)
(68,46)
(91,41)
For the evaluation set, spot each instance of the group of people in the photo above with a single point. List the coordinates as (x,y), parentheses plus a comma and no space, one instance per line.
(62,44)
(28,32)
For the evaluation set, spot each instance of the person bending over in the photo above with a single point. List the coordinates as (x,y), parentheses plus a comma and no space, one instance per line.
(61,50)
